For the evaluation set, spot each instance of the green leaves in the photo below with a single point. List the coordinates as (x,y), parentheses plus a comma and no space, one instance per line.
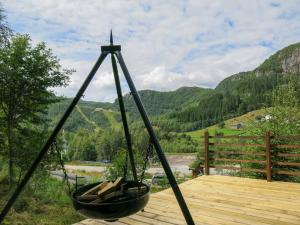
(28,73)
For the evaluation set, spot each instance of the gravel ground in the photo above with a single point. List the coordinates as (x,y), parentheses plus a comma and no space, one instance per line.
(178,163)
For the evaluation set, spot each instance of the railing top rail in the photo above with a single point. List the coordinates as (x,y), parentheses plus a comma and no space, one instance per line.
(237,152)
(291,137)
(236,144)
(239,137)
(235,136)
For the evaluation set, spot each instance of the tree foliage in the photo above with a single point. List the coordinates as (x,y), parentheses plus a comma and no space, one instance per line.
(5,31)
(27,75)
(283,118)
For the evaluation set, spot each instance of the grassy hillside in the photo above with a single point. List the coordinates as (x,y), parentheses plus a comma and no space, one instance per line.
(230,125)
(112,118)
(86,115)
(92,123)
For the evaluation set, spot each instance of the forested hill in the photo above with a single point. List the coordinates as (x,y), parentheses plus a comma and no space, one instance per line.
(275,69)
(190,108)
(91,115)
(243,92)
(157,102)
(87,115)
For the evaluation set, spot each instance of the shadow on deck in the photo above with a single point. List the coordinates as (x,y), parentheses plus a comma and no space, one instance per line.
(222,200)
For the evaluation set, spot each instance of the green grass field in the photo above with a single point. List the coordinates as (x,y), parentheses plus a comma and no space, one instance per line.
(46,204)
(87,119)
(112,120)
(107,113)
(228,130)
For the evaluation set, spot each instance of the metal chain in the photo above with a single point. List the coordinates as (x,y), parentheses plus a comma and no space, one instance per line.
(149,153)
(66,178)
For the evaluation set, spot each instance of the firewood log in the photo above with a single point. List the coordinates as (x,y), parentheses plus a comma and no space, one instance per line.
(108,196)
(87,197)
(95,189)
(111,187)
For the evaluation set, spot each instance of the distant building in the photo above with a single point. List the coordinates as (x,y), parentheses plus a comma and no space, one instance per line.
(236,126)
(268,117)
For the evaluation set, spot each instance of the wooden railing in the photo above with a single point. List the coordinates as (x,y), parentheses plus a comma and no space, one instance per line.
(267,155)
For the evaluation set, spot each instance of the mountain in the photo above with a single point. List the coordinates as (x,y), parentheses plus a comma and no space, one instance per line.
(245,91)
(190,108)
(87,115)
(274,71)
(157,103)
(91,115)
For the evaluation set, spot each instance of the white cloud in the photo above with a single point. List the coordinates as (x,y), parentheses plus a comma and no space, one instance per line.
(166,44)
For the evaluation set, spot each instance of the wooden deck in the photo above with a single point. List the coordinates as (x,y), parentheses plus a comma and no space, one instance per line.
(222,200)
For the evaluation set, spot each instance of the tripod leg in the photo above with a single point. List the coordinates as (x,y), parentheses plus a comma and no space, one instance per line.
(124,118)
(52,136)
(159,151)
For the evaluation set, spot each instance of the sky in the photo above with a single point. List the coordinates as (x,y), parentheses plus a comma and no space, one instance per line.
(165,44)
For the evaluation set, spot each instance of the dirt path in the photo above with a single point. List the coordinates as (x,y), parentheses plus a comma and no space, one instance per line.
(178,163)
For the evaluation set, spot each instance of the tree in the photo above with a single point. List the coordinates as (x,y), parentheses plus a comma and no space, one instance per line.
(4,36)
(28,75)
(110,143)
(5,31)
(283,118)
(221,125)
(83,145)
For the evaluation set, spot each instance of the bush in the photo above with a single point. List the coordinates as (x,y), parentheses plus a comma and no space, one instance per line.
(221,125)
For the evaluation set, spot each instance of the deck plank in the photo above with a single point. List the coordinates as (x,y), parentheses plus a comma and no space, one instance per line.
(222,200)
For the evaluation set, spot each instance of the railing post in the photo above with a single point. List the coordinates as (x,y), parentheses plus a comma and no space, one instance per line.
(268,156)
(206,152)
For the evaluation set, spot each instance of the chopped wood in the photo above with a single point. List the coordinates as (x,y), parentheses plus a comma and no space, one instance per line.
(118,182)
(104,191)
(110,187)
(87,197)
(95,189)
(108,196)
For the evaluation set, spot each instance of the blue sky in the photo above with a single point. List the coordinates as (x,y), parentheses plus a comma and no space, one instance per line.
(166,44)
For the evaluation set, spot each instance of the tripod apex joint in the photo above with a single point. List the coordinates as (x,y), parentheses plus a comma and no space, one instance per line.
(111,48)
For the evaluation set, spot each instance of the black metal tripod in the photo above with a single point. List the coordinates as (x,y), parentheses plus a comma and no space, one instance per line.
(114,50)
